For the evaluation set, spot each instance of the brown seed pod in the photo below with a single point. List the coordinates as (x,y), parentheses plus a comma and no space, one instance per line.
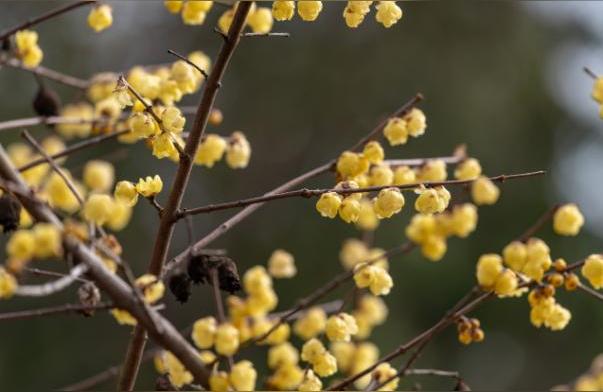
(180,286)
(46,102)
(89,295)
(10,212)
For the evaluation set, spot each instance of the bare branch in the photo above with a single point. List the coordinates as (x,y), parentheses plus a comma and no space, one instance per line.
(52,311)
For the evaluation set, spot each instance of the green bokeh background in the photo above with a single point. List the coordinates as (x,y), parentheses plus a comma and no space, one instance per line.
(483,70)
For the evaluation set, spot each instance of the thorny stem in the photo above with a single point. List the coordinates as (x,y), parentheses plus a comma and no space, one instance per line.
(308,193)
(167,222)
(44,17)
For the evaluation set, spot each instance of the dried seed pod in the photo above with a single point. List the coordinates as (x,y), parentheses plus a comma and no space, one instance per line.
(162,383)
(89,295)
(228,276)
(180,286)
(10,211)
(197,269)
(46,102)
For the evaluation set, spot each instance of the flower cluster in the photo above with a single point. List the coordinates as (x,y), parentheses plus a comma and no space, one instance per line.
(261,19)
(28,50)
(469,330)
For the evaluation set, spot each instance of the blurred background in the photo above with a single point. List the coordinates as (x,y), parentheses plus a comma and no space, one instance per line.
(505,78)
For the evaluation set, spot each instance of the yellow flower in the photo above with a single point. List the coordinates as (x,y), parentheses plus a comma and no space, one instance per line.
(489,267)
(515,255)
(592,270)
(310,382)
(204,331)
(325,365)
(308,10)
(151,287)
(283,10)
(384,372)
(396,131)
(143,124)
(173,6)
(506,283)
(262,325)
(59,194)
(597,92)
(382,282)
(372,308)
(341,327)
(381,175)
(352,19)
(125,192)
(218,381)
(538,259)
(194,12)
(256,280)
(416,122)
(226,339)
(558,318)
(349,210)
(98,208)
(47,239)
(100,18)
(99,175)
(373,152)
(281,264)
(469,169)
(312,350)
(163,147)
(389,201)
(210,150)
(27,48)
(432,200)
(238,151)
(21,245)
(123,317)
(176,371)
(172,120)
(243,376)
(260,20)
(80,111)
(364,274)
(120,217)
(328,204)
(432,171)
(185,76)
(464,220)
(344,355)
(568,220)
(8,284)
(367,218)
(483,191)
(282,354)
(434,247)
(350,164)
(404,175)
(311,323)
(286,377)
(150,186)
(388,13)
(225,20)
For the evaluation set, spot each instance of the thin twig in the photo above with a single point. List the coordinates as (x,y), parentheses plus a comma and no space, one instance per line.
(186,60)
(54,166)
(41,272)
(48,73)
(544,218)
(590,73)
(44,17)
(53,310)
(590,291)
(53,287)
(272,34)
(155,204)
(308,193)
(147,107)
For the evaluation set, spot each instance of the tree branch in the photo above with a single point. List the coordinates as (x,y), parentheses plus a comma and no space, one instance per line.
(51,311)
(167,222)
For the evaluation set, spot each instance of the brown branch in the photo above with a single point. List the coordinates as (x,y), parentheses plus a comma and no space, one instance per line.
(544,218)
(93,141)
(272,34)
(53,310)
(54,166)
(168,221)
(308,193)
(48,73)
(118,291)
(44,17)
